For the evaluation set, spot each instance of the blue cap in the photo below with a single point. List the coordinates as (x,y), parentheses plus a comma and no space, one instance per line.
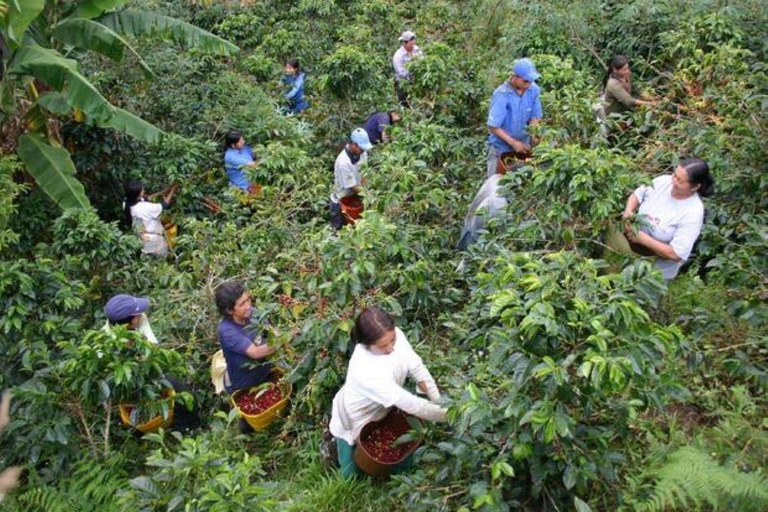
(360,137)
(525,69)
(120,307)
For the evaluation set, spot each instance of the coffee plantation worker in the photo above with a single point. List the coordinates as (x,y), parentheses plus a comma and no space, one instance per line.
(144,216)
(407,51)
(294,80)
(377,123)
(617,85)
(671,214)
(488,203)
(381,361)
(243,340)
(237,157)
(346,169)
(131,312)
(515,105)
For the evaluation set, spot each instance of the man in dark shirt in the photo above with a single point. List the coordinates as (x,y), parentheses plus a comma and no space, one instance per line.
(377,123)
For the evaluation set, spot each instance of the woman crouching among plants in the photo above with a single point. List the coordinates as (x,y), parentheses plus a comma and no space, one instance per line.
(381,361)
(669,216)
(242,335)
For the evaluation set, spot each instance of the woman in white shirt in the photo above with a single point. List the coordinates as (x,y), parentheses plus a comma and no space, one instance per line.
(380,363)
(144,216)
(671,214)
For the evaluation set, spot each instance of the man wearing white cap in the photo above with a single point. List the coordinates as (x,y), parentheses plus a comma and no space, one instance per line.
(347,172)
(407,51)
(515,105)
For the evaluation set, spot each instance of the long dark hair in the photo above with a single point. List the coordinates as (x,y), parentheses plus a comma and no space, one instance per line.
(371,324)
(698,174)
(617,62)
(132,196)
(231,138)
(294,63)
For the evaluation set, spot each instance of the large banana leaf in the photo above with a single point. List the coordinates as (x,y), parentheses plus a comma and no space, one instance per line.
(53,170)
(20,14)
(60,73)
(90,35)
(136,24)
(52,68)
(134,126)
(90,9)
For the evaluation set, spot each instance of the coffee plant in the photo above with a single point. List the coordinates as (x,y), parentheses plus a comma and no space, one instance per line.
(574,380)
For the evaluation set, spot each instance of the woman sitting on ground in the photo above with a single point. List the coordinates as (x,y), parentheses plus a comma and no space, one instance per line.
(670,214)
(381,361)
(618,88)
(144,216)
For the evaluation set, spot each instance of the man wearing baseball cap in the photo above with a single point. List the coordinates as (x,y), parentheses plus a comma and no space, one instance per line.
(407,51)
(131,311)
(515,105)
(347,172)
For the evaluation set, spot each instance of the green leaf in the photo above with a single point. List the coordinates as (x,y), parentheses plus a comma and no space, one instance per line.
(55,103)
(580,505)
(137,24)
(20,15)
(53,170)
(90,9)
(91,35)
(60,73)
(136,127)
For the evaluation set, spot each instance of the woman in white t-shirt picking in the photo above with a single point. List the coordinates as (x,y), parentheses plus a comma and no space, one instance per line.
(671,214)
(380,363)
(144,216)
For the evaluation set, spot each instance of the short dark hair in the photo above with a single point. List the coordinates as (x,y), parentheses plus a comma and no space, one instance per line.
(617,62)
(294,63)
(698,174)
(227,294)
(231,138)
(371,324)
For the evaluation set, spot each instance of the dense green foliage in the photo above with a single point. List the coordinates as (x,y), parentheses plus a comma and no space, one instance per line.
(568,388)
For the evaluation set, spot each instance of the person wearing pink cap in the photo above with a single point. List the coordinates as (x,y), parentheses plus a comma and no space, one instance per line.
(407,51)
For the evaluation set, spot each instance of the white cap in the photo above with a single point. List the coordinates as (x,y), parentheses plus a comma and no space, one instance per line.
(407,36)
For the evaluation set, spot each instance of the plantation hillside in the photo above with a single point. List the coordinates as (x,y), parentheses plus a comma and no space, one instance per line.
(575,379)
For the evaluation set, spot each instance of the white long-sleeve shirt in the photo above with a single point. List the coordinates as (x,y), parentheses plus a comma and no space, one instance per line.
(401,58)
(374,385)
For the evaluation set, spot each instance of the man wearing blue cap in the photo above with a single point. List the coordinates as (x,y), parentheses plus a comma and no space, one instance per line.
(130,311)
(515,105)
(347,173)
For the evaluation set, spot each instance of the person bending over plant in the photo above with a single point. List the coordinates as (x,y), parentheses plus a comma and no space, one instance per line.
(131,312)
(144,216)
(377,123)
(515,105)
(617,86)
(381,361)
(294,81)
(243,338)
(237,158)
(346,171)
(669,214)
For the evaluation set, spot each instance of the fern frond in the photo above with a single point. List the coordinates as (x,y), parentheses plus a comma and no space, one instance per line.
(691,480)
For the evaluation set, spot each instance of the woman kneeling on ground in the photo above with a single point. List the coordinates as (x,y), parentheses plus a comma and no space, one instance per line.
(381,361)
(671,214)
(243,341)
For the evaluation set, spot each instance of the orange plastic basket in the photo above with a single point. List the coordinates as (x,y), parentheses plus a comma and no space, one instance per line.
(351,207)
(152,425)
